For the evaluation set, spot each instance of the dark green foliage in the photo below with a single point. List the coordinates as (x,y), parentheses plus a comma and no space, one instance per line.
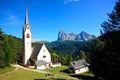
(89,48)
(66,51)
(113,23)
(92,45)
(106,61)
(82,55)
(2,53)
(10,50)
(59,57)
(68,59)
(55,58)
(16,49)
(1,36)
(2,58)
(65,47)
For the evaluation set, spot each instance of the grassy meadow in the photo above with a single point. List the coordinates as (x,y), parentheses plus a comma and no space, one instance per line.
(21,74)
(60,73)
(6,69)
(62,70)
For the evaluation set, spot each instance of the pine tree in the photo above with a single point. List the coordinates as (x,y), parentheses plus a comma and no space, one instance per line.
(8,53)
(68,58)
(113,23)
(106,61)
(2,53)
(82,55)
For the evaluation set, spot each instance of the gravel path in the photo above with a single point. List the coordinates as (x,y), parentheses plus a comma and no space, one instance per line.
(35,70)
(9,72)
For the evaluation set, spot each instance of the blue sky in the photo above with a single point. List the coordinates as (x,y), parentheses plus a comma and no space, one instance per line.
(48,17)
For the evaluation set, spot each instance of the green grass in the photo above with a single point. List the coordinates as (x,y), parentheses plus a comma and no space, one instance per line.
(87,74)
(84,76)
(62,70)
(21,74)
(6,69)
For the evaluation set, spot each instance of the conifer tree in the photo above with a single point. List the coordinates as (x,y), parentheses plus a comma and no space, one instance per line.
(106,61)
(8,53)
(2,53)
(82,55)
(113,23)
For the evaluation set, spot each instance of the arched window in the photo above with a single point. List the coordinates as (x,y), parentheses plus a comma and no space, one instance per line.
(28,36)
(44,56)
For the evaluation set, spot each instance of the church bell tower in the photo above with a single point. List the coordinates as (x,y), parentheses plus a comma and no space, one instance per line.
(26,40)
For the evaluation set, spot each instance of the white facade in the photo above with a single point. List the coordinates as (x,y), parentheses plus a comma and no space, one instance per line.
(44,66)
(27,47)
(38,56)
(44,54)
(82,70)
(41,53)
(79,66)
(27,40)
(56,65)
(41,67)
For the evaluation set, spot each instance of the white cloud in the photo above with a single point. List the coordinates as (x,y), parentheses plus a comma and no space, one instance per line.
(10,19)
(68,1)
(13,17)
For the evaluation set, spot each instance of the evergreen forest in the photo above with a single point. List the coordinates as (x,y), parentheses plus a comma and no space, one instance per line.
(103,52)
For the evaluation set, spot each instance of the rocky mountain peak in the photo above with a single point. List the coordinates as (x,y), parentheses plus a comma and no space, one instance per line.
(82,36)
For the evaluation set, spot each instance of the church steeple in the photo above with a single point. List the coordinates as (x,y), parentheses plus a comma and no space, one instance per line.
(26,17)
(26,40)
(26,23)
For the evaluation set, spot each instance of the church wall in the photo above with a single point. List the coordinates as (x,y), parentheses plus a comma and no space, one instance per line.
(56,65)
(44,54)
(41,67)
(27,46)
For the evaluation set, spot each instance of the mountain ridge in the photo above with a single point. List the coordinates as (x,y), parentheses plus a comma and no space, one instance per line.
(82,36)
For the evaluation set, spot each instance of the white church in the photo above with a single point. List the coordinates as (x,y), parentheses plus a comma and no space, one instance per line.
(37,56)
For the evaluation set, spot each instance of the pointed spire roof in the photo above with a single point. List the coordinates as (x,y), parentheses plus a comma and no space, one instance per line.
(26,23)
(26,17)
